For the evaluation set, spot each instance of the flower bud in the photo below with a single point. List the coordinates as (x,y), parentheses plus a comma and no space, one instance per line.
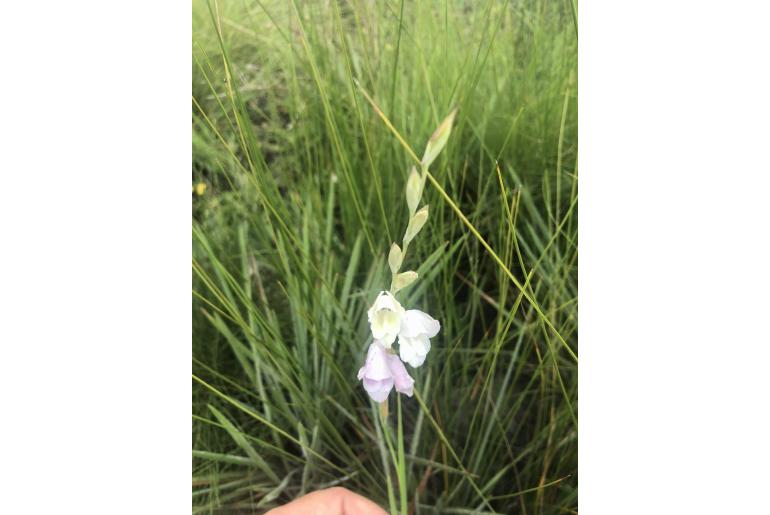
(438,140)
(395,257)
(413,190)
(415,224)
(403,280)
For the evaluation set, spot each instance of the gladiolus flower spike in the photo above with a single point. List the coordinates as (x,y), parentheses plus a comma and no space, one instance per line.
(388,320)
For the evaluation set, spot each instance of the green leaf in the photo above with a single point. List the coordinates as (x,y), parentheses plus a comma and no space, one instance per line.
(275,492)
(240,439)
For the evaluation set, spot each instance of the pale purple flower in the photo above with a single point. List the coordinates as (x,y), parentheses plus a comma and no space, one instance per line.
(413,336)
(381,371)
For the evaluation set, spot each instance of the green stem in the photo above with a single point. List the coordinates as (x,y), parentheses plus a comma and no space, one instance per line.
(382,428)
(401,467)
(399,462)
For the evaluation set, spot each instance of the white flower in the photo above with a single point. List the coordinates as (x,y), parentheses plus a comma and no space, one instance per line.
(382,371)
(413,336)
(385,318)
(413,328)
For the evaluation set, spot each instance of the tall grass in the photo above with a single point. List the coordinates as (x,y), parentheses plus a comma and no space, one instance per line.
(305,195)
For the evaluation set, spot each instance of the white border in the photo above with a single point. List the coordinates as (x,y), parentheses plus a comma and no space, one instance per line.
(674,257)
(673,271)
(95,211)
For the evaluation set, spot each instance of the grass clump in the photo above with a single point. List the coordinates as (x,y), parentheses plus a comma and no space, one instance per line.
(305,188)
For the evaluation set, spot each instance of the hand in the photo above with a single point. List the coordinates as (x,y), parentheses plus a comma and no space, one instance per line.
(332,501)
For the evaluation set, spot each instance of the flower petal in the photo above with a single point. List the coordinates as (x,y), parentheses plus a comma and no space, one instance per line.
(385,301)
(403,381)
(385,326)
(407,351)
(414,350)
(415,322)
(385,318)
(376,366)
(378,390)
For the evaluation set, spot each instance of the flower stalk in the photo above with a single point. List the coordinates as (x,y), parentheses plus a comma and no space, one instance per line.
(390,322)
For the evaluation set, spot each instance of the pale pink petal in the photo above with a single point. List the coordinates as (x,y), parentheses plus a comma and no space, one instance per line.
(378,390)
(376,366)
(404,383)
(376,374)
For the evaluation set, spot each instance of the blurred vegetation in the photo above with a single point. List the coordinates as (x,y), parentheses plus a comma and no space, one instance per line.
(304,193)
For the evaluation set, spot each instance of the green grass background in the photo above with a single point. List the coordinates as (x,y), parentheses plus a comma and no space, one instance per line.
(305,195)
